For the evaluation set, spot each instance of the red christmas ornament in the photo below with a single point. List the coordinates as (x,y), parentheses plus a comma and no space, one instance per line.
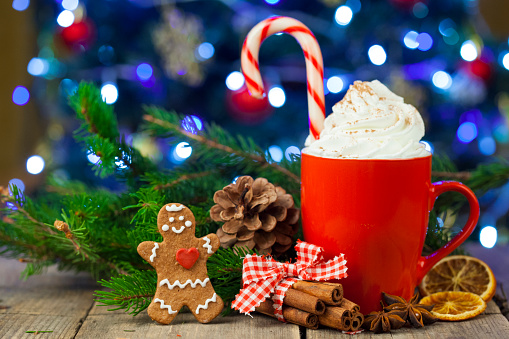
(480,69)
(80,33)
(246,108)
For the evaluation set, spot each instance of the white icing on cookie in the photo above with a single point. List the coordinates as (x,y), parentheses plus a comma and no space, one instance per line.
(165,228)
(172,219)
(181,217)
(188,282)
(170,311)
(174,208)
(156,246)
(206,305)
(207,245)
(179,230)
(188,223)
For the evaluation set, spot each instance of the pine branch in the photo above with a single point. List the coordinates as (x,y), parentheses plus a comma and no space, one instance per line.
(461,176)
(213,144)
(133,293)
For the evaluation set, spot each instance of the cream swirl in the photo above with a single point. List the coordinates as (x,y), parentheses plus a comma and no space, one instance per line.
(370,122)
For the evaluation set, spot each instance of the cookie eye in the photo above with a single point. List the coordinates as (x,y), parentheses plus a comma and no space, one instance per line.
(172,219)
(165,228)
(188,223)
(181,217)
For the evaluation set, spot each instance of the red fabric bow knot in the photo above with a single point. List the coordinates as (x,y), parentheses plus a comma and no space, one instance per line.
(262,276)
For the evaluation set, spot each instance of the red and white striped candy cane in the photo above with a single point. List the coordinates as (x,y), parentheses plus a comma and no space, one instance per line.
(314,64)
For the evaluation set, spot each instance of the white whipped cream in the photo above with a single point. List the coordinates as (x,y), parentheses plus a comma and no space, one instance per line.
(370,122)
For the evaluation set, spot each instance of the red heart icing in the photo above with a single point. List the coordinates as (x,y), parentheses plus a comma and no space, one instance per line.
(187,257)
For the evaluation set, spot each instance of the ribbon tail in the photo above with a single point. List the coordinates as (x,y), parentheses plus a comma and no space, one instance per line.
(253,295)
(279,295)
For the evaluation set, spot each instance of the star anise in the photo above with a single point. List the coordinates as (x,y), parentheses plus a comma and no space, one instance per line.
(416,314)
(382,321)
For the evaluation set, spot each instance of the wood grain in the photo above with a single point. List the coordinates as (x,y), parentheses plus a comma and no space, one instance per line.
(54,301)
(101,323)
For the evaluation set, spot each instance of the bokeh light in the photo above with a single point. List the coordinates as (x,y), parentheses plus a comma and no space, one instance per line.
(20,5)
(38,66)
(182,151)
(335,84)
(467,132)
(70,5)
(144,71)
(487,146)
(277,97)
(343,16)
(425,42)
(410,40)
(234,81)
(428,146)
(505,61)
(272,2)
(290,151)
(420,10)
(488,236)
(276,153)
(65,18)
(109,93)
(20,95)
(377,55)
(35,164)
(442,80)
(468,51)
(355,5)
(93,158)
(192,124)
(204,51)
(18,183)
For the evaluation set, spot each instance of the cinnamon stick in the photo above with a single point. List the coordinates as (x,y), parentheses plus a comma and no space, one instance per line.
(329,293)
(357,320)
(336,317)
(350,305)
(304,301)
(292,315)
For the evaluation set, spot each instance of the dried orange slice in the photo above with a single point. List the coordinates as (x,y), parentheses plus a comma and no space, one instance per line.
(460,273)
(455,306)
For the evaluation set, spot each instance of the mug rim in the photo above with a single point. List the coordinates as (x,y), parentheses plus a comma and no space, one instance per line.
(365,159)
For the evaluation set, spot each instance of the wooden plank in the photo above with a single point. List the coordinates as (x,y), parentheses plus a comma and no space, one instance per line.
(55,301)
(491,324)
(101,323)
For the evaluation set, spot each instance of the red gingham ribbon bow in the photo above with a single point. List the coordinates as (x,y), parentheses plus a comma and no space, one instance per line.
(262,276)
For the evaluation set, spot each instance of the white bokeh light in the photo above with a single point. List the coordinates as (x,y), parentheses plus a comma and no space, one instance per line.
(410,40)
(183,150)
(442,80)
(234,81)
(488,236)
(109,93)
(505,61)
(468,51)
(65,18)
(35,164)
(277,97)
(335,84)
(344,15)
(377,55)
(70,5)
(276,153)
(291,150)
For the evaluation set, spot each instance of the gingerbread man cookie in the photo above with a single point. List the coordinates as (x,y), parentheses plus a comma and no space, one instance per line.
(180,263)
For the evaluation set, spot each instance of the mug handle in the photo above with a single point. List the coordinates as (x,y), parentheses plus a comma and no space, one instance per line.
(424,264)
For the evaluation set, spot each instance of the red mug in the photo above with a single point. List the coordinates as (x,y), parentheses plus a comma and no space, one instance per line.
(375,211)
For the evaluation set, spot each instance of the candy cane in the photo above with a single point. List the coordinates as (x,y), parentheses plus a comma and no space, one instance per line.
(314,64)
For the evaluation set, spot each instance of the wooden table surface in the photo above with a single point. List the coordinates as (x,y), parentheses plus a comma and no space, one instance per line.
(63,303)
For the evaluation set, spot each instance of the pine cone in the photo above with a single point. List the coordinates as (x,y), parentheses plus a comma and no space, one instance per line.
(257,214)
